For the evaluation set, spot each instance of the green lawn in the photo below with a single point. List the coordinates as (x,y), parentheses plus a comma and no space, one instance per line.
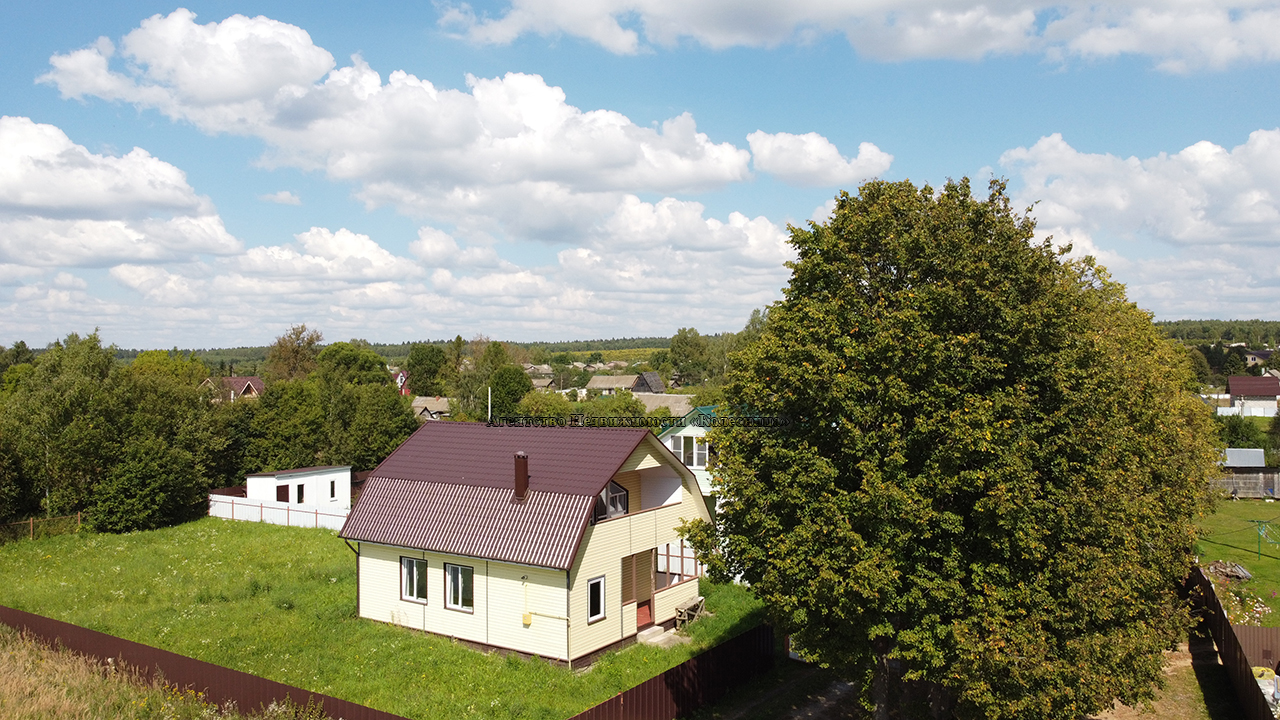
(280,603)
(1229,535)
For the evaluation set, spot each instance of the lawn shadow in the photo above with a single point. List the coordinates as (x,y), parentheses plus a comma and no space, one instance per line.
(1211,675)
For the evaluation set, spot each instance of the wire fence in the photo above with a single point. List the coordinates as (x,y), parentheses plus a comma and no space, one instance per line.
(33,528)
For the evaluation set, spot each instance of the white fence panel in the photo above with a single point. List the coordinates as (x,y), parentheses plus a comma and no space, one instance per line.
(276,513)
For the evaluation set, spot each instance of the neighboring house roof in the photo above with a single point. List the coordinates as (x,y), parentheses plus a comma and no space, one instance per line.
(543,383)
(1245,457)
(679,405)
(240,385)
(448,489)
(689,417)
(650,382)
(611,382)
(1250,386)
(435,406)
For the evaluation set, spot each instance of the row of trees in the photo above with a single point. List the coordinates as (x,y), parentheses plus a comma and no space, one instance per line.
(139,445)
(1256,333)
(1213,363)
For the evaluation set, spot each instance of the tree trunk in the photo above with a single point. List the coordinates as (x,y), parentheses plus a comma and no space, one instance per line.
(880,689)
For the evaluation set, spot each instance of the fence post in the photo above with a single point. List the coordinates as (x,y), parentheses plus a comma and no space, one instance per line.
(32,520)
(317,517)
(77,521)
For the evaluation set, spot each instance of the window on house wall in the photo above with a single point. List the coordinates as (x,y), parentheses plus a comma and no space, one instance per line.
(676,563)
(301,488)
(459,588)
(692,451)
(413,579)
(333,489)
(595,599)
(282,493)
(612,502)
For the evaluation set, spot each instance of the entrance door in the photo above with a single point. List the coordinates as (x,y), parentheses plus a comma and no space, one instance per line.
(637,585)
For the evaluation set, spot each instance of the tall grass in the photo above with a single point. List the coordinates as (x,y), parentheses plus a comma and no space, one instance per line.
(280,603)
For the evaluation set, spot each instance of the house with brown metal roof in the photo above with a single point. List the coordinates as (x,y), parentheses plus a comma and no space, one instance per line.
(235,388)
(1254,395)
(558,542)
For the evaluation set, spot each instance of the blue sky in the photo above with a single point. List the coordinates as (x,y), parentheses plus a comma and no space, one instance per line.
(208,174)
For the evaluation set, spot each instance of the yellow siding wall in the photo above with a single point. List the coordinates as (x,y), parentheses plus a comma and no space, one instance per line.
(630,481)
(499,601)
(665,601)
(603,547)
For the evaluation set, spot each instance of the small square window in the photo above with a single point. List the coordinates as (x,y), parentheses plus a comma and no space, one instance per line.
(595,599)
(413,579)
(459,591)
(282,493)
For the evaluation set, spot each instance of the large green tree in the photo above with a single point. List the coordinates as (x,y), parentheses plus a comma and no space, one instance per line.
(426,367)
(987,495)
(293,355)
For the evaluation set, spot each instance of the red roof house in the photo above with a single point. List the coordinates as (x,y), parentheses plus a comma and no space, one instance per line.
(546,541)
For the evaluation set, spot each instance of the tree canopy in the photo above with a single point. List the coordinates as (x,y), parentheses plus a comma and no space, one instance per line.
(987,493)
(426,366)
(293,355)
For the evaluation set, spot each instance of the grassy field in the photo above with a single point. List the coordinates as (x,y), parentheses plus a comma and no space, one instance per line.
(1229,535)
(280,603)
(39,683)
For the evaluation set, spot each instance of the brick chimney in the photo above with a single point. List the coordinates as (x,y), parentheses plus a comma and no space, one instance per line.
(522,477)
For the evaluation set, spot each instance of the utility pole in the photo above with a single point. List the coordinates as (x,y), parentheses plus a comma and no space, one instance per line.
(490,418)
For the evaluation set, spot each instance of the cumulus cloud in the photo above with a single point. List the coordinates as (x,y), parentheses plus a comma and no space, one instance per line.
(1202,195)
(813,160)
(1192,233)
(284,197)
(61,205)
(1181,36)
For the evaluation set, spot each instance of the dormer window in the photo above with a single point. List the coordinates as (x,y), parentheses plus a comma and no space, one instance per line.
(611,502)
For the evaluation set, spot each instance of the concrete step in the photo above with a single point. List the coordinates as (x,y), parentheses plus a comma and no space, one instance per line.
(650,635)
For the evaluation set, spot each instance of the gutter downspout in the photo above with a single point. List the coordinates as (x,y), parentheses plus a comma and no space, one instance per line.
(568,656)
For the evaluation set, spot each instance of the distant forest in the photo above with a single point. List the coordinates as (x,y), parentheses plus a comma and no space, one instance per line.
(1256,333)
(254,356)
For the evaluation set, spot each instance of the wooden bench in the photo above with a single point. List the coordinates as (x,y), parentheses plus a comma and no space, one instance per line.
(689,611)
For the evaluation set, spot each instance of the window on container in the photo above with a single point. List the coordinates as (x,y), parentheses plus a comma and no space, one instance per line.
(595,599)
(282,493)
(459,589)
(301,488)
(333,489)
(413,579)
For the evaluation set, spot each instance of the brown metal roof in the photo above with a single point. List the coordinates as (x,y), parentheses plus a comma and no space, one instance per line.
(569,460)
(473,521)
(1248,385)
(449,488)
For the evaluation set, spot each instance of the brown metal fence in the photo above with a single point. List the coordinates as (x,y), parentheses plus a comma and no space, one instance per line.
(679,691)
(220,685)
(39,527)
(1233,655)
(690,685)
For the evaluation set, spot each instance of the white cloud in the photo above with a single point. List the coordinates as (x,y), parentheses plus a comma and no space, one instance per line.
(1203,195)
(63,205)
(1191,234)
(811,159)
(284,197)
(1179,36)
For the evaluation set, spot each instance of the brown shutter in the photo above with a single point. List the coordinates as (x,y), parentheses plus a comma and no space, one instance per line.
(282,493)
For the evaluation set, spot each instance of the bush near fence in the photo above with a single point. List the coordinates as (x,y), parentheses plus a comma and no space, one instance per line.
(40,527)
(679,691)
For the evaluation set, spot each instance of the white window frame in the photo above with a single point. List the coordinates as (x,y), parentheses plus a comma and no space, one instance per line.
(591,587)
(413,572)
(453,586)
